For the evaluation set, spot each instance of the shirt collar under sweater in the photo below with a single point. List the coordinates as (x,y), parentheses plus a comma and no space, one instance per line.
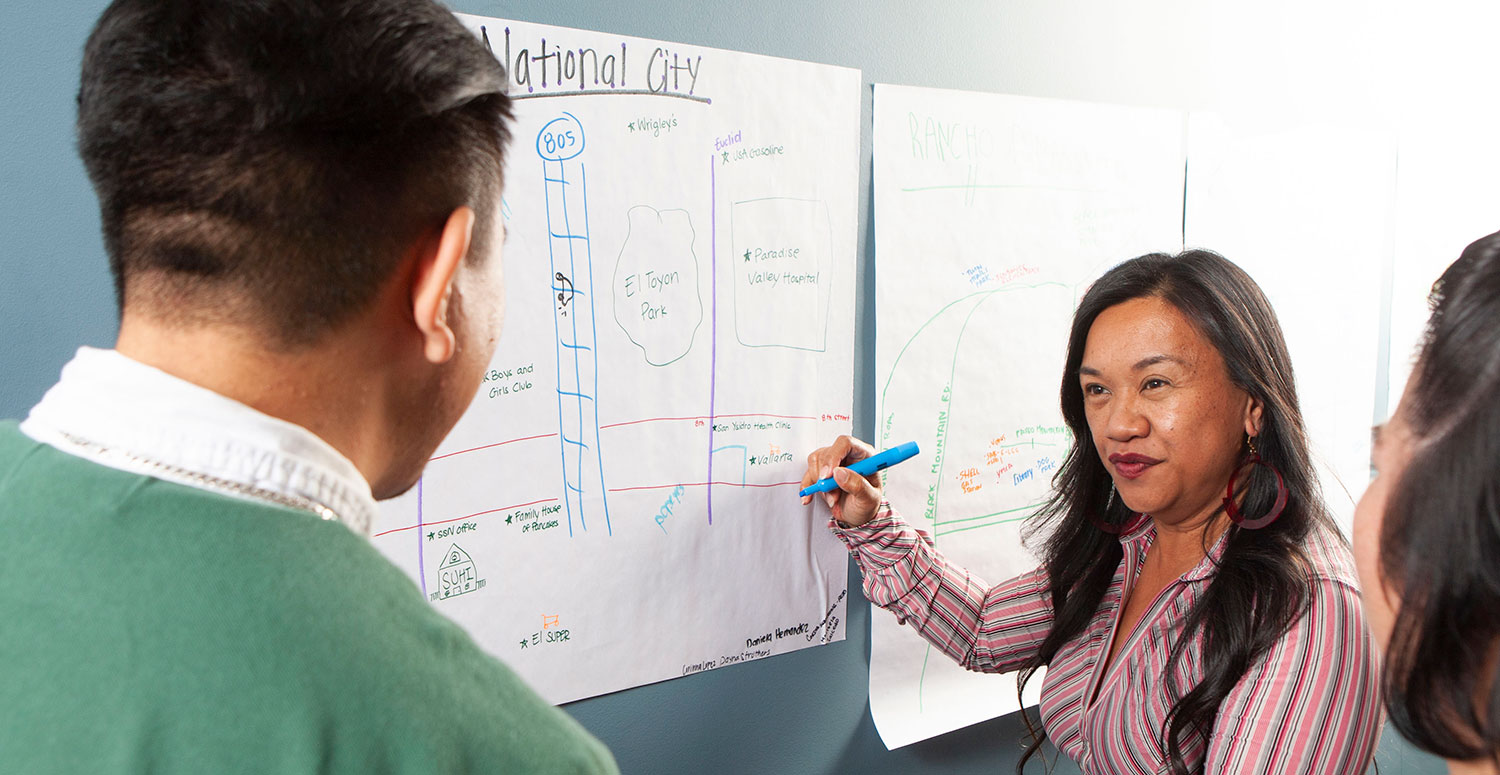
(143,415)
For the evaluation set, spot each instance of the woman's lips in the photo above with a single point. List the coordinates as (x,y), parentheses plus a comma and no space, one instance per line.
(1130,465)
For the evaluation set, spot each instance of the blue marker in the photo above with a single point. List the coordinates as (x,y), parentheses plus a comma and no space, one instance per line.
(869,465)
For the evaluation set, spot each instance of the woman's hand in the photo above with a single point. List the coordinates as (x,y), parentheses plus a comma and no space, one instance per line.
(855,501)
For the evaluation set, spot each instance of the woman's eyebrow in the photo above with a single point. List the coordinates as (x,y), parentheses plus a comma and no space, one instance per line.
(1152,360)
(1144,363)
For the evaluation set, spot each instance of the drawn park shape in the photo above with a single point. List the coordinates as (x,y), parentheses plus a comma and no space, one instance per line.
(656,297)
(782,254)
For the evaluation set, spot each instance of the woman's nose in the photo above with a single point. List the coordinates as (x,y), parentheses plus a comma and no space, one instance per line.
(1125,421)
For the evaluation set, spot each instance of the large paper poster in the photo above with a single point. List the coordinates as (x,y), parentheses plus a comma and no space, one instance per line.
(619,505)
(1308,210)
(993,214)
(1446,199)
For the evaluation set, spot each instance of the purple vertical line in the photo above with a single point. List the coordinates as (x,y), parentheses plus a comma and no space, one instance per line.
(421,568)
(713,294)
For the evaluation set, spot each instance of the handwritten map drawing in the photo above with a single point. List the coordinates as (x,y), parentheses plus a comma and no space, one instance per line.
(628,490)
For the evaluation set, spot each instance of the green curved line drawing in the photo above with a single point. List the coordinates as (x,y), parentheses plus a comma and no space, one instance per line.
(967,528)
(896,363)
(923,679)
(1000,513)
(983,296)
(942,442)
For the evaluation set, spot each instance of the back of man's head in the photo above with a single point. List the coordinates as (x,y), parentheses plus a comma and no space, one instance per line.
(267,163)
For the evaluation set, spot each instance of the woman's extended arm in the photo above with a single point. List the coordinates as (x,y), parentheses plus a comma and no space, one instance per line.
(987,629)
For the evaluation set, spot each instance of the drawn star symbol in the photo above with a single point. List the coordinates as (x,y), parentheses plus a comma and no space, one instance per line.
(631,126)
(430,536)
(523,643)
(726,157)
(747,256)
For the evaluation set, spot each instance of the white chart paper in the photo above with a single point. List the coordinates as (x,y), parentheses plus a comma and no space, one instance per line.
(1446,199)
(992,216)
(1308,212)
(619,505)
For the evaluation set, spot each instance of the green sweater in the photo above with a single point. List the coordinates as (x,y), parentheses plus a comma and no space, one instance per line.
(151,627)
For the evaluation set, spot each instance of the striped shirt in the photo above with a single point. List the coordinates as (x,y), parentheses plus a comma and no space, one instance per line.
(1311,704)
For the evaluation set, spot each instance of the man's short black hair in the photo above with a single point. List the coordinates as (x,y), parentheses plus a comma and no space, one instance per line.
(270,161)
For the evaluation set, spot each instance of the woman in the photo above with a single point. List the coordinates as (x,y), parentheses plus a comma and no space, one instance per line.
(1427,531)
(1183,631)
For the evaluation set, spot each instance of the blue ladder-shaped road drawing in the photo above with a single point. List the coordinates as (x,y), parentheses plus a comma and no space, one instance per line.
(559,145)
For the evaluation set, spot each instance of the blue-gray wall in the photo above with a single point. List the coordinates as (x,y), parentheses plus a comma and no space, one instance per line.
(799,713)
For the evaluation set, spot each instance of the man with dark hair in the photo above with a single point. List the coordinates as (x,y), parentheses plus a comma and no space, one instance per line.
(299,202)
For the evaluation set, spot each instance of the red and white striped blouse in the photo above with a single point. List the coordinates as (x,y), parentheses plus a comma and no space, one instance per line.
(1310,705)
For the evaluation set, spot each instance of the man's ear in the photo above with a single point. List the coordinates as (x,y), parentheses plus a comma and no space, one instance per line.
(432,284)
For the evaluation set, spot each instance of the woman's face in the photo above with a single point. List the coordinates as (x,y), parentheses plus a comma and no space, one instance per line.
(1167,422)
(1393,444)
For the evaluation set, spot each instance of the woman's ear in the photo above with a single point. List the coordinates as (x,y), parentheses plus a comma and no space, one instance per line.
(1254,410)
(432,284)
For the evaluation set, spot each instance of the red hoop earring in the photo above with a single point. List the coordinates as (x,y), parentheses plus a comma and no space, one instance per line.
(1281,494)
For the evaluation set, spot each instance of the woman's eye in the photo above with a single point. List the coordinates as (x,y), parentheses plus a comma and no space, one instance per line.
(1093,389)
(1154,382)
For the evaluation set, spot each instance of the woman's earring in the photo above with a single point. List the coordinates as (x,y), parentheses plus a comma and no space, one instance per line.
(1276,508)
(1102,522)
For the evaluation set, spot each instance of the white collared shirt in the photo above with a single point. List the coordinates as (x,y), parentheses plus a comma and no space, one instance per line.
(146,421)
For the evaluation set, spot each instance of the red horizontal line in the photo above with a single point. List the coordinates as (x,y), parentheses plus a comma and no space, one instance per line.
(496,444)
(777,416)
(466,516)
(699,484)
(706,417)
(619,424)
(649,419)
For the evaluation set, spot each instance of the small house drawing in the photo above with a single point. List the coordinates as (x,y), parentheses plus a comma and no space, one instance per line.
(456,574)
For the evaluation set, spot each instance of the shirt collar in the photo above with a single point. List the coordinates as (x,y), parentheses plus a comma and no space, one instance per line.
(107,400)
(1142,534)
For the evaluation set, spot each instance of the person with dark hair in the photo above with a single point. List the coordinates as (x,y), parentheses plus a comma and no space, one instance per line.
(1196,607)
(299,201)
(1427,531)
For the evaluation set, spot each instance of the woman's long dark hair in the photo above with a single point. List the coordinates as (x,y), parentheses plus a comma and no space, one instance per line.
(1440,538)
(1262,583)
